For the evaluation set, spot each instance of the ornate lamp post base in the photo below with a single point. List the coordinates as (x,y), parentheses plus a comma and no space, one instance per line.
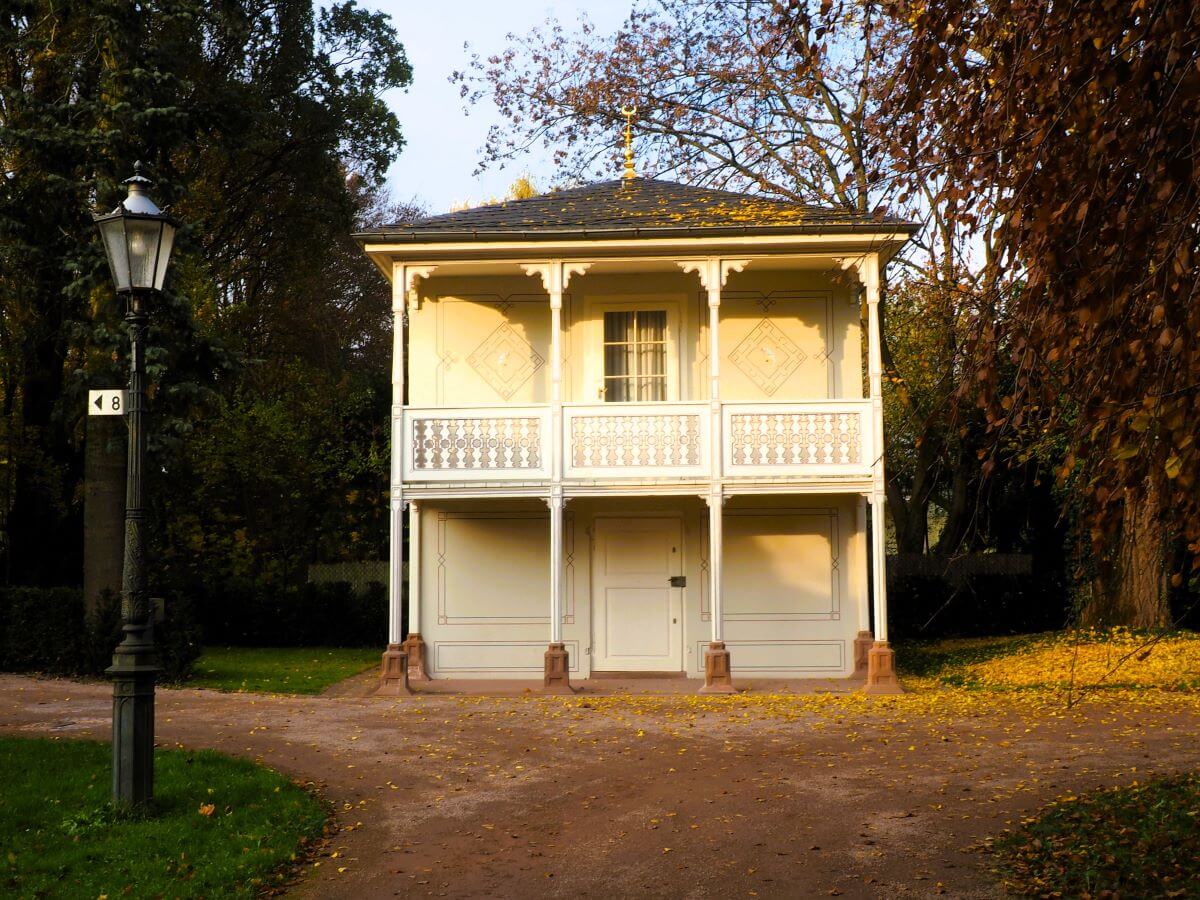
(134,670)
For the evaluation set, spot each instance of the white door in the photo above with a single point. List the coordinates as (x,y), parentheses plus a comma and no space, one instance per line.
(637,614)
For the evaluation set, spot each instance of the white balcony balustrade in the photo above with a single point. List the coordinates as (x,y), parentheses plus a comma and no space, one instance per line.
(630,441)
(636,440)
(496,443)
(811,439)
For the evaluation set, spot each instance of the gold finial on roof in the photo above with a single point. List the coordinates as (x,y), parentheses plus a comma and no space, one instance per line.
(629,112)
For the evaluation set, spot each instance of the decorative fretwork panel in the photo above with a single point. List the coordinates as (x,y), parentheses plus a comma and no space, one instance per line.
(617,442)
(795,439)
(485,444)
(505,360)
(767,356)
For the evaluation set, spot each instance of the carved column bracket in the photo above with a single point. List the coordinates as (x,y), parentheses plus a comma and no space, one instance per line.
(713,271)
(409,282)
(555,275)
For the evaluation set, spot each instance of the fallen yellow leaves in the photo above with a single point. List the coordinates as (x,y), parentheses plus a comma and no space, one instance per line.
(1039,676)
(1096,660)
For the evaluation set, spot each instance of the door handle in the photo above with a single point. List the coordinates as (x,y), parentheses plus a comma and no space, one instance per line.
(677,581)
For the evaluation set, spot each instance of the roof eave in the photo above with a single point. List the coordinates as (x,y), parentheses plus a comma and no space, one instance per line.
(476,236)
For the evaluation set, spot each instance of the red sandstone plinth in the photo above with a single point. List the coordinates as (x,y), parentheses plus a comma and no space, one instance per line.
(881,670)
(557,676)
(863,642)
(414,646)
(718,678)
(393,676)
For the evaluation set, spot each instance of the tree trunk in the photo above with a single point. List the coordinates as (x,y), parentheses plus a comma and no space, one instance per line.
(103,509)
(1131,587)
(910,519)
(961,512)
(43,523)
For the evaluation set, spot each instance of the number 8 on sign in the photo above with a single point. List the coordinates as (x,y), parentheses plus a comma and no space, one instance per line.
(106,403)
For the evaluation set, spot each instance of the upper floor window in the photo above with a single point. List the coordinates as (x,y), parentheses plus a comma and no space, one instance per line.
(635,355)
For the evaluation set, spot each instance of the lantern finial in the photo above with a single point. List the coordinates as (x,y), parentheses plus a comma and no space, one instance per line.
(629,112)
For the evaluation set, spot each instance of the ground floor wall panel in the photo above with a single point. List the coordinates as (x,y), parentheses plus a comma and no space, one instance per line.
(794,572)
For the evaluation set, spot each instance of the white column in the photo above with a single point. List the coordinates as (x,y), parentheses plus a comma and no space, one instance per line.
(555,502)
(713,272)
(395,570)
(860,559)
(556,275)
(715,545)
(556,419)
(869,273)
(716,498)
(714,344)
(555,289)
(396,517)
(414,567)
(403,290)
(717,445)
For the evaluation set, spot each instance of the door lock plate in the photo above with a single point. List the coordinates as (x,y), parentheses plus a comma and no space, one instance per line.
(678,580)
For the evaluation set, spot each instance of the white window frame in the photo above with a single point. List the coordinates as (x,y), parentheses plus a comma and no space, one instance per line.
(593,370)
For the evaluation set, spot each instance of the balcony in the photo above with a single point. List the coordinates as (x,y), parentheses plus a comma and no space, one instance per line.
(812,441)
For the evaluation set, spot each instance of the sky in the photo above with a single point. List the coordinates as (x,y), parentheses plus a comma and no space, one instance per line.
(444,142)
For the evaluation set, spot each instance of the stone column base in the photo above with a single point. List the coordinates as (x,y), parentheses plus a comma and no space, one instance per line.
(557,676)
(393,677)
(415,648)
(717,676)
(862,644)
(881,670)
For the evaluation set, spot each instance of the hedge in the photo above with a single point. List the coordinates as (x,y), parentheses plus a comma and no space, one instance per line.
(47,630)
(923,606)
(310,615)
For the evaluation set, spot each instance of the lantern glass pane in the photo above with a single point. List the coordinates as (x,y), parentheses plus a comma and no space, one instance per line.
(113,233)
(164,254)
(142,236)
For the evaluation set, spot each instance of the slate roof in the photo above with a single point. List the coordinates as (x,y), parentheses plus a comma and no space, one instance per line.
(640,207)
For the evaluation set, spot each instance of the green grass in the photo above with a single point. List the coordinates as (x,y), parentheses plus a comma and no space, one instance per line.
(61,837)
(945,659)
(279,670)
(1138,841)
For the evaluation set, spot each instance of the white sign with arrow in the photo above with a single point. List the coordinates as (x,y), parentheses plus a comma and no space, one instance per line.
(106,403)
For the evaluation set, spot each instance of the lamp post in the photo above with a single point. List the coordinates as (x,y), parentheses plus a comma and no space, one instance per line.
(137,237)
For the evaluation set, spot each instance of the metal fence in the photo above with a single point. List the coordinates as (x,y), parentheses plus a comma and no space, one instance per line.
(956,569)
(358,574)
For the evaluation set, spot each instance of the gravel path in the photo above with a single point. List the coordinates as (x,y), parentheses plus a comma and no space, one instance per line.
(527,796)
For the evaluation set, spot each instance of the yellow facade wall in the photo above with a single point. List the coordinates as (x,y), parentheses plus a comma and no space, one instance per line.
(486,340)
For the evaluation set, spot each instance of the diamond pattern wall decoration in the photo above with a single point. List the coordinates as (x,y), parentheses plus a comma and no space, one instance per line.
(767,356)
(505,360)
